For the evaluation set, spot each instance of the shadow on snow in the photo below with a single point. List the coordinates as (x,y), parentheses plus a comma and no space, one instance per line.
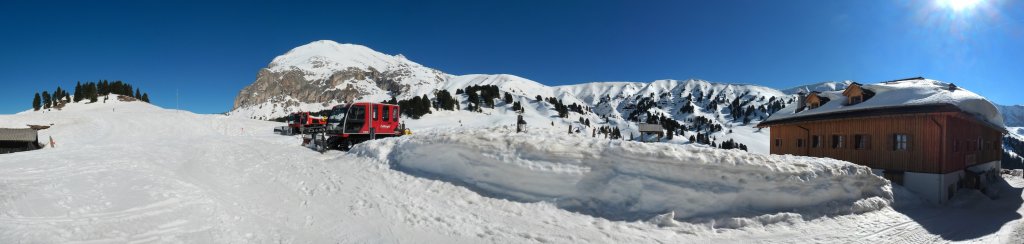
(970,214)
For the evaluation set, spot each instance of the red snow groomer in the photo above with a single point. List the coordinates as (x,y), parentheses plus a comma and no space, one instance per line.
(350,124)
(298,121)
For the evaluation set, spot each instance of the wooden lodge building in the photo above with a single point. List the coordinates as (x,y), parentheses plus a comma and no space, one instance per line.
(931,137)
(18,140)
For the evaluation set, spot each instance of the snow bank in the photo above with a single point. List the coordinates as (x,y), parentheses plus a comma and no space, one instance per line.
(630,180)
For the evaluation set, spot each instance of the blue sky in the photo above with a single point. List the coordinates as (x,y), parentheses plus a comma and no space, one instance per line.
(209,51)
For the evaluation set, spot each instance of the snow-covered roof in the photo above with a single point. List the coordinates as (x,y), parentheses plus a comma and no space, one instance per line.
(651,128)
(896,94)
(26,135)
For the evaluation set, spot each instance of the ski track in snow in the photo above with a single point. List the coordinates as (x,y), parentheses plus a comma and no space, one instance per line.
(144,174)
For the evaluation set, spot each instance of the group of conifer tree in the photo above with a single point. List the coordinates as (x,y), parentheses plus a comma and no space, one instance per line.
(88,91)
(477,97)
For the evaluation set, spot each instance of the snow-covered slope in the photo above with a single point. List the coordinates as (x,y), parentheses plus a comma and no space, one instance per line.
(135,173)
(1013,115)
(820,87)
(320,59)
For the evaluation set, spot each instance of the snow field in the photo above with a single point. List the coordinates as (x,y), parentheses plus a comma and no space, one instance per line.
(136,173)
(629,180)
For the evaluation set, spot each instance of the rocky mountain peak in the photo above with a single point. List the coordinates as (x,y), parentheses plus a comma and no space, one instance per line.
(323,73)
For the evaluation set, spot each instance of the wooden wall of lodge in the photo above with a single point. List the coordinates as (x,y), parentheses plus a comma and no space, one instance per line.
(931,146)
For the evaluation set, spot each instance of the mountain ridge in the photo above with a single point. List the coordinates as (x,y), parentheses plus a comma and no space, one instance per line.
(325,73)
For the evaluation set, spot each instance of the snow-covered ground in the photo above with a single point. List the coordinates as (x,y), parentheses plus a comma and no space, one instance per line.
(132,172)
(632,180)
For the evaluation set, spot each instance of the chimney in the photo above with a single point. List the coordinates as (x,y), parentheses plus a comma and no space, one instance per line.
(801,100)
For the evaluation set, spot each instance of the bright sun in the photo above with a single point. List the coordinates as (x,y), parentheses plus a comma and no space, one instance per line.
(958,5)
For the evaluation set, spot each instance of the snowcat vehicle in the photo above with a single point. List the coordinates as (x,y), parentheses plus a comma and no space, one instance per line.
(300,120)
(350,124)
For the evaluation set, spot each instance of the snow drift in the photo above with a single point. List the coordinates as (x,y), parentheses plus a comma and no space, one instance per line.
(630,180)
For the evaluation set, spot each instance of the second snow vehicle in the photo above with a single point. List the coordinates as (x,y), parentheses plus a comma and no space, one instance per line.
(350,124)
(298,121)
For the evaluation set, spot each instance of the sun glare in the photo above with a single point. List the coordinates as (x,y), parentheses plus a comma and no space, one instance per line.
(958,5)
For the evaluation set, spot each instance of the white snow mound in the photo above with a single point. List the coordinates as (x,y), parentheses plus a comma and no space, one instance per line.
(631,180)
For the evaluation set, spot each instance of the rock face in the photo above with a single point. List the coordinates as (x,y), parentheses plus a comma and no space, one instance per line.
(325,73)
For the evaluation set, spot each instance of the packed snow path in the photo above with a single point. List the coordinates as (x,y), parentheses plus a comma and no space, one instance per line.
(135,173)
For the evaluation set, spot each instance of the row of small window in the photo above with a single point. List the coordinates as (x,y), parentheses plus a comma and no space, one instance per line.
(900,142)
(359,111)
(972,145)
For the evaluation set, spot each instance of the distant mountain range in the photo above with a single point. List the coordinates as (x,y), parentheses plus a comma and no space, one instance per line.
(1013,115)
(322,74)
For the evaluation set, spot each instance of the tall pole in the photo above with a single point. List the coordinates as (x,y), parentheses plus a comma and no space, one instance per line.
(373,116)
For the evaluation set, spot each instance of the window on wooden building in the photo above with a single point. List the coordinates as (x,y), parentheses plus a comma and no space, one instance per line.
(900,142)
(778,142)
(815,141)
(814,105)
(799,142)
(856,99)
(862,142)
(980,144)
(838,141)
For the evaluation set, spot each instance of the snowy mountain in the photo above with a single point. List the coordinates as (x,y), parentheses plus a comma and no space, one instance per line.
(823,86)
(322,74)
(1013,115)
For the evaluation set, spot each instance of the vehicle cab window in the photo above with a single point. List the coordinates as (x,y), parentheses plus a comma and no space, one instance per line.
(338,115)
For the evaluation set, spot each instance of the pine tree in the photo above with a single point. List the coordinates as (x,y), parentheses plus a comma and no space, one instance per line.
(93,92)
(46,100)
(36,102)
(78,92)
(145,98)
(58,97)
(101,88)
(425,104)
(445,100)
(137,94)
